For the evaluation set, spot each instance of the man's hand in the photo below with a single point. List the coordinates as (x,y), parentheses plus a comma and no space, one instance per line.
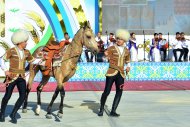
(127,69)
(7,73)
(106,53)
(46,57)
(7,79)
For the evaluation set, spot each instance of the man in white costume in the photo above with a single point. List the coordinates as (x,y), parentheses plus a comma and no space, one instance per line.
(177,47)
(185,45)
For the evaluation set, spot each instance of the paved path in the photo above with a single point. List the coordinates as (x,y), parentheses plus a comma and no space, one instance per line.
(137,109)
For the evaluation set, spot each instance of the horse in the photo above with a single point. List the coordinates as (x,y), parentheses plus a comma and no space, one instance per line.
(83,37)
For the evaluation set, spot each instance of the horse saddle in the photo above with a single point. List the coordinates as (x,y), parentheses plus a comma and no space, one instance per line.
(53,50)
(54,53)
(52,45)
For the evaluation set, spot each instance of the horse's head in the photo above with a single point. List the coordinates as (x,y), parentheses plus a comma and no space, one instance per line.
(89,38)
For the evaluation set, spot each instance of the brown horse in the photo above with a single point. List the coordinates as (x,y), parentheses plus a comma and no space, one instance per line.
(62,73)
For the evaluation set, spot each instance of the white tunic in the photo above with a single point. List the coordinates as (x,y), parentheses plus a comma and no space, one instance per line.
(156,55)
(176,44)
(133,54)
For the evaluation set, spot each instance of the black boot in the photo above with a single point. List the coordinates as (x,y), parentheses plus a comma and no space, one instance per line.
(115,105)
(13,113)
(100,113)
(13,118)
(114,114)
(3,107)
(103,101)
(2,117)
(26,99)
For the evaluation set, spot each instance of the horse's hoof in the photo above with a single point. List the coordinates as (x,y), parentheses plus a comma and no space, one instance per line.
(38,109)
(24,110)
(48,116)
(60,115)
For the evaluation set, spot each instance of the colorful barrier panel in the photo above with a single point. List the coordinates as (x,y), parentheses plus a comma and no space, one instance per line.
(140,71)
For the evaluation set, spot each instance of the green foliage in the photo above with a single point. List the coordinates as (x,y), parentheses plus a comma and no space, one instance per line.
(14,10)
(13,29)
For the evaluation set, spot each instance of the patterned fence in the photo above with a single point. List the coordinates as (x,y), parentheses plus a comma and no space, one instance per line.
(141,71)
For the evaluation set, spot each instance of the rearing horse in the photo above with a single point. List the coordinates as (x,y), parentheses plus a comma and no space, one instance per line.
(62,73)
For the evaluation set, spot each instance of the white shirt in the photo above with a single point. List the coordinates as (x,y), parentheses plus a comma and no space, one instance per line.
(21,52)
(97,38)
(110,43)
(121,50)
(185,43)
(176,44)
(70,40)
(162,42)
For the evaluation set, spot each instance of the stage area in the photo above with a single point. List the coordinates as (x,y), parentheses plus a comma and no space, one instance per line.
(137,109)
